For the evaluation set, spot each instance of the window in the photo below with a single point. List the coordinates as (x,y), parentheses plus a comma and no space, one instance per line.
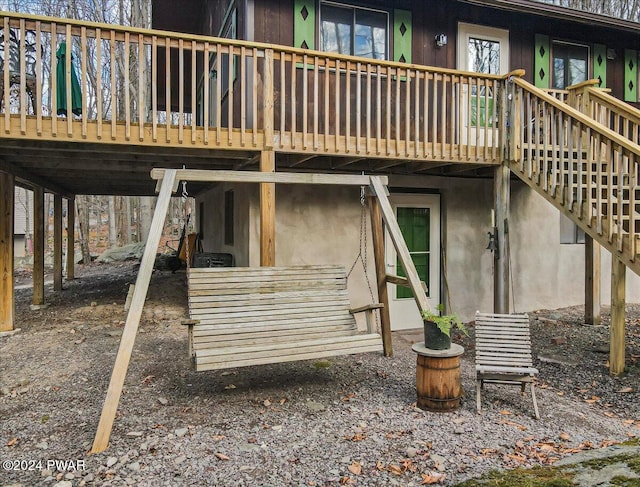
(570,233)
(570,64)
(354,31)
(228,217)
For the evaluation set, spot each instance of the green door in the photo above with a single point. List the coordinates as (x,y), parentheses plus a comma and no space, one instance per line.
(414,224)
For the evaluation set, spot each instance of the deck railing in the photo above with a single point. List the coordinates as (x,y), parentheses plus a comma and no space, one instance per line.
(586,169)
(154,87)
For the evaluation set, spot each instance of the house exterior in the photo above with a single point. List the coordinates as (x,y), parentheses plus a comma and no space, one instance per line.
(445,210)
(22,224)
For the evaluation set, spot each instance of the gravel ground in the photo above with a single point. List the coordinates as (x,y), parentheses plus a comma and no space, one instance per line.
(351,420)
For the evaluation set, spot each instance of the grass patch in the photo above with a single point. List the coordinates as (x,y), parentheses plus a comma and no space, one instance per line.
(523,477)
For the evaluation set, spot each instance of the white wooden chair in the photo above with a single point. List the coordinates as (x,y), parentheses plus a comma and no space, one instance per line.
(503,353)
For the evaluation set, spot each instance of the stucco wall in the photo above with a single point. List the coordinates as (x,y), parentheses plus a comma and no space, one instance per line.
(321,225)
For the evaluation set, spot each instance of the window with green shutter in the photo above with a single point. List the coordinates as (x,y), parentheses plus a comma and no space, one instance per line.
(304,24)
(600,64)
(402,34)
(630,75)
(542,57)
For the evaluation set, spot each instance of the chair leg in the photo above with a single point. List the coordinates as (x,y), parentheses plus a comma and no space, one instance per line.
(478,398)
(535,403)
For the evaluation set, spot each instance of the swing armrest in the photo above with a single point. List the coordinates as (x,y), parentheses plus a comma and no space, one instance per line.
(368,309)
(190,322)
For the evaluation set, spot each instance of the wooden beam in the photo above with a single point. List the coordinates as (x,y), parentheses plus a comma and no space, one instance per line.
(7,189)
(201,175)
(38,245)
(71,239)
(501,254)
(267,211)
(110,407)
(592,272)
(380,264)
(618,290)
(403,281)
(32,179)
(379,189)
(346,161)
(57,242)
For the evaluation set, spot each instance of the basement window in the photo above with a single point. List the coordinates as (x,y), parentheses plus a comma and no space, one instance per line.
(228,217)
(570,233)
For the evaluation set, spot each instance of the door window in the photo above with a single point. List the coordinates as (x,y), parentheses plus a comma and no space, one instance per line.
(414,224)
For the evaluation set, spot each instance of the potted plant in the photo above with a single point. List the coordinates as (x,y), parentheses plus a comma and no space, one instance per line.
(437,328)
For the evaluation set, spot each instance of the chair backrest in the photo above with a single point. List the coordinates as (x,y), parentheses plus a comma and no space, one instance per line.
(503,340)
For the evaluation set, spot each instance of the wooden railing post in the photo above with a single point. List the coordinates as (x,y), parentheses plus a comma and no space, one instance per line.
(267,211)
(38,245)
(71,238)
(7,188)
(618,289)
(267,90)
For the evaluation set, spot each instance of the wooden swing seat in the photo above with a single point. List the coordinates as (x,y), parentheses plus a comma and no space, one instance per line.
(243,316)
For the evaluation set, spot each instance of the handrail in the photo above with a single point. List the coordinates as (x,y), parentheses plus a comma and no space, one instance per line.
(236,94)
(587,170)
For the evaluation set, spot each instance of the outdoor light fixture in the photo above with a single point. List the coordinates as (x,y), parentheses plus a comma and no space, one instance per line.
(441,40)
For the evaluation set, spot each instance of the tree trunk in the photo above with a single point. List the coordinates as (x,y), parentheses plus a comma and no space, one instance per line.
(113,234)
(82,204)
(146,214)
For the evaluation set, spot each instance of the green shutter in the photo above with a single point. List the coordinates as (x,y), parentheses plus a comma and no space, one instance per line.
(304,24)
(542,64)
(630,75)
(402,35)
(600,64)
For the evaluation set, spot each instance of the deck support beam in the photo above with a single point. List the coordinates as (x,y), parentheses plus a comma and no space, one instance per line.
(7,191)
(38,245)
(501,270)
(618,291)
(381,274)
(57,242)
(267,212)
(592,272)
(71,239)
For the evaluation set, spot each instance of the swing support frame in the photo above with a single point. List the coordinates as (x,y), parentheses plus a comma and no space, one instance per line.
(168,182)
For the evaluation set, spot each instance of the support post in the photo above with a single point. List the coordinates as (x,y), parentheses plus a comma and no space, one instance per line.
(38,246)
(267,212)
(501,269)
(381,275)
(71,239)
(592,270)
(121,365)
(7,192)
(57,242)
(618,289)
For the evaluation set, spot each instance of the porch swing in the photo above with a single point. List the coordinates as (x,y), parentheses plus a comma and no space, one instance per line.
(313,295)
(245,316)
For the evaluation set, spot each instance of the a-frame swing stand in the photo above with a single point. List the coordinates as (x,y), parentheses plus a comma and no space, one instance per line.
(168,180)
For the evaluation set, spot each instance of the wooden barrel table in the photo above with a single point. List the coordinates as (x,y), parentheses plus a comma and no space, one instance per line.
(438,378)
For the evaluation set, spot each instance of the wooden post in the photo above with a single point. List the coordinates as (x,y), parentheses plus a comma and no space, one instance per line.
(592,269)
(381,275)
(57,242)
(7,191)
(618,289)
(501,254)
(267,212)
(110,407)
(38,246)
(71,239)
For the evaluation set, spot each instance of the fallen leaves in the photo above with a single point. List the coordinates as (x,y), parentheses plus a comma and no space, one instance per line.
(355,468)
(564,436)
(432,478)
(592,400)
(625,390)
(12,442)
(356,437)
(221,456)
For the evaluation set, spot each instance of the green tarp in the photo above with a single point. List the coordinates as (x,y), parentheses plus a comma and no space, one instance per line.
(61,84)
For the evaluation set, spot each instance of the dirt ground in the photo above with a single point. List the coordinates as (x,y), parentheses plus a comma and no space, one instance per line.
(353,421)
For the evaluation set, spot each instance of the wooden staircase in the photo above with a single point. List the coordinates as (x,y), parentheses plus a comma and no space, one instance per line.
(586,169)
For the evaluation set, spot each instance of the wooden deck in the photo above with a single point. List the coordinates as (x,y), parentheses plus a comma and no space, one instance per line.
(315,110)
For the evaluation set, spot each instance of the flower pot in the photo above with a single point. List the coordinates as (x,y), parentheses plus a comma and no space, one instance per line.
(434,338)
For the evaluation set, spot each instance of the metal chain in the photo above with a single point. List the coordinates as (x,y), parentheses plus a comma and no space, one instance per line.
(186,210)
